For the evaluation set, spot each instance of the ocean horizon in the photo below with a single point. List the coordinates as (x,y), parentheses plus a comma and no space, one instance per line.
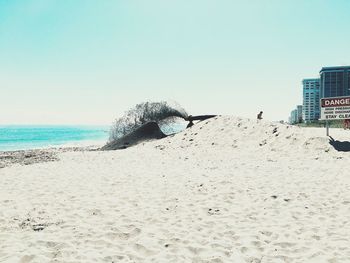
(25,137)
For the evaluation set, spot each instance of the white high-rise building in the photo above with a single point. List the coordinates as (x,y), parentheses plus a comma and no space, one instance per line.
(299,113)
(296,115)
(311,100)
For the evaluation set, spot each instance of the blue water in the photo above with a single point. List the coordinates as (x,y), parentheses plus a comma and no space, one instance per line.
(173,127)
(34,137)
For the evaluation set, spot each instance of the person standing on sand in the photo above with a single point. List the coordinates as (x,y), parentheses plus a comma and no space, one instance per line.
(259,117)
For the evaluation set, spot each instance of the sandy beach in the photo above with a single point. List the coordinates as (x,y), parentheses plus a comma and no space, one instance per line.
(228,189)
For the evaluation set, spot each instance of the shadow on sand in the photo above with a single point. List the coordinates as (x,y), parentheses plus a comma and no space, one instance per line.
(339,146)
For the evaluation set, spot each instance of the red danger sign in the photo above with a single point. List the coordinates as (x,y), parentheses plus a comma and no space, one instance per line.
(335,102)
(336,108)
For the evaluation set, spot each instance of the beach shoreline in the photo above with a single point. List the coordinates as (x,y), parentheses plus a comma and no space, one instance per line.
(32,156)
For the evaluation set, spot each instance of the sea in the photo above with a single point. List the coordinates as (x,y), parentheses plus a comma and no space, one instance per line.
(24,137)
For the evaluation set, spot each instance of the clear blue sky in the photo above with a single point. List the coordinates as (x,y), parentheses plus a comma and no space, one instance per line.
(87,61)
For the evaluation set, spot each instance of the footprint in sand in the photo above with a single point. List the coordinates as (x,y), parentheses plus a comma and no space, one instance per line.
(285,244)
(143,250)
(195,250)
(117,234)
(26,259)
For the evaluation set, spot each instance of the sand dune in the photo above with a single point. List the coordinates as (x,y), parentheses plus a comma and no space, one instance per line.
(226,190)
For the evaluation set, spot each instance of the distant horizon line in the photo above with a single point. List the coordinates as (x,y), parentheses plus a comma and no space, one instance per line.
(53,124)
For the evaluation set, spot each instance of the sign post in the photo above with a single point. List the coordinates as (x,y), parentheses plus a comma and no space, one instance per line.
(335,108)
